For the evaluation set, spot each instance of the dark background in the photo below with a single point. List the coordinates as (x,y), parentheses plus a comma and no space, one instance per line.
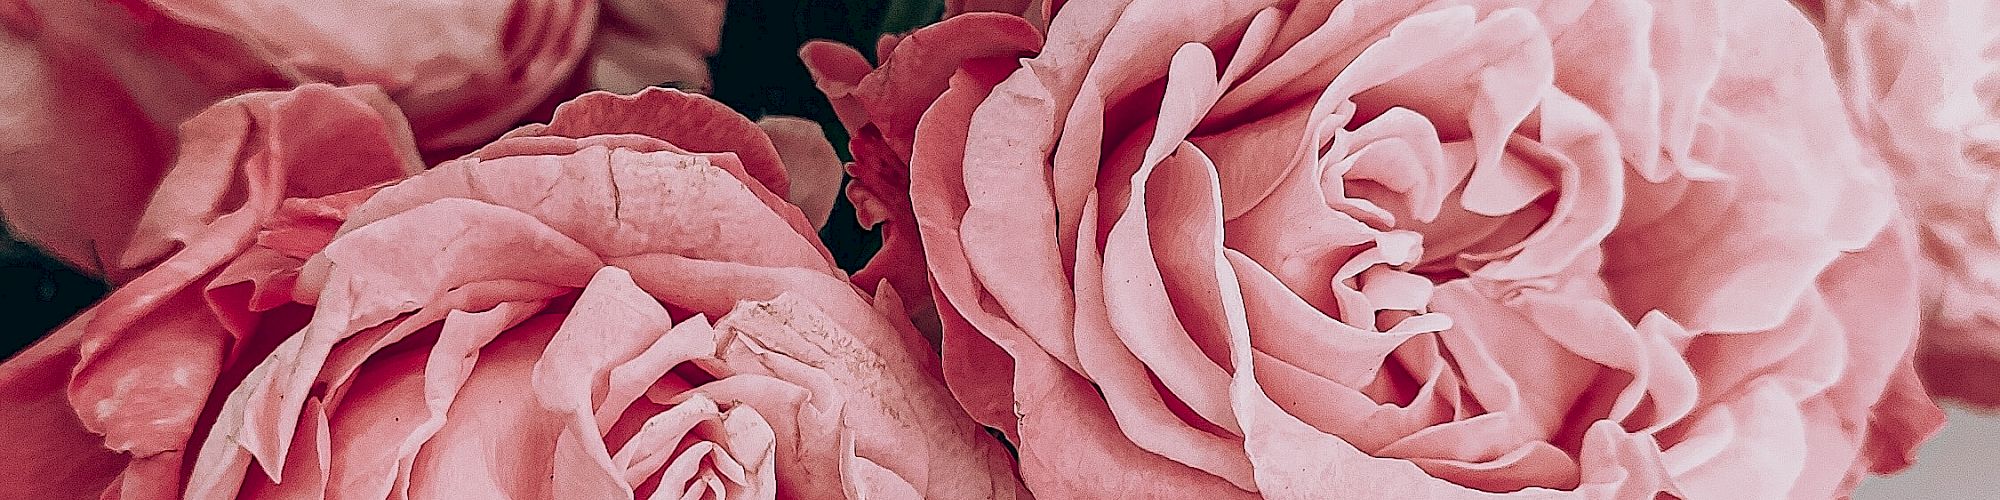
(757,72)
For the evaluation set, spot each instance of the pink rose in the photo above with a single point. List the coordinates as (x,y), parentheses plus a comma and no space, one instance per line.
(95,90)
(1342,249)
(1922,81)
(584,307)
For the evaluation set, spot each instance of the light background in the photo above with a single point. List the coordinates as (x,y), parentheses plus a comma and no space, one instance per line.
(1961,463)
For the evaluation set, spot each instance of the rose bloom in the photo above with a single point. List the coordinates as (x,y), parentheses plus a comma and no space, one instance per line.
(1359,249)
(1922,82)
(615,304)
(125,74)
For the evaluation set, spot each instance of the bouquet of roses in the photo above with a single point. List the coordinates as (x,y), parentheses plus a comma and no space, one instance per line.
(1311,249)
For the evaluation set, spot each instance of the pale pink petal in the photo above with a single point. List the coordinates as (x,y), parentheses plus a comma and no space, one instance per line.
(466,456)
(639,43)
(688,121)
(895,406)
(612,322)
(810,164)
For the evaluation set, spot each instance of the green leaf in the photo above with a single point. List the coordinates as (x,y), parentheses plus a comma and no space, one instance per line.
(906,15)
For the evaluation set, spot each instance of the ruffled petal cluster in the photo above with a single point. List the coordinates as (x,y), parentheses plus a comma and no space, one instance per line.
(617,304)
(1457,250)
